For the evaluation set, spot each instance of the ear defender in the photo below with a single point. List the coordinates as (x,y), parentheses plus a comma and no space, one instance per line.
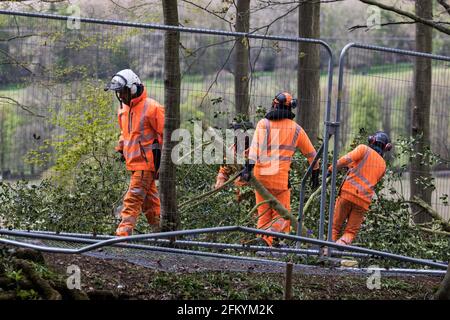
(294,103)
(373,139)
(284,99)
(133,88)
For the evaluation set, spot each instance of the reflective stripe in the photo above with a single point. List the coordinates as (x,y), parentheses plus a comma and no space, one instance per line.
(363,161)
(359,187)
(274,157)
(356,171)
(138,191)
(297,132)
(143,138)
(141,121)
(286,147)
(364,180)
(347,159)
(138,152)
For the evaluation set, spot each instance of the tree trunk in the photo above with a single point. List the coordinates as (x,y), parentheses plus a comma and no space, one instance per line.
(172,79)
(308,72)
(420,127)
(2,142)
(241,66)
(443,292)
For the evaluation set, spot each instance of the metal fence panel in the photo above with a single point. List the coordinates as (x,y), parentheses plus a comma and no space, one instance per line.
(375,92)
(47,66)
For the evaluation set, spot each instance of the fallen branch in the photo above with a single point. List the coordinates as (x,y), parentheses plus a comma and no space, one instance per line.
(312,196)
(433,213)
(274,203)
(205,195)
(439,232)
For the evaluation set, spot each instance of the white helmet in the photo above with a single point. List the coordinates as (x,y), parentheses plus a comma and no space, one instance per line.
(124,78)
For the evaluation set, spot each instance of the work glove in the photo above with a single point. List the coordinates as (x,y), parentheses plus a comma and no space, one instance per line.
(221,179)
(315,179)
(247,172)
(120,156)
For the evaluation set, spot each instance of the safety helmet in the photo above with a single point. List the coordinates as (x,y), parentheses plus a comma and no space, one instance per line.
(381,139)
(124,78)
(284,100)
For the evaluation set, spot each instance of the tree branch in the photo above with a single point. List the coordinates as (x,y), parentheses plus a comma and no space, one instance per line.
(417,201)
(445,5)
(409,15)
(23,107)
(361,26)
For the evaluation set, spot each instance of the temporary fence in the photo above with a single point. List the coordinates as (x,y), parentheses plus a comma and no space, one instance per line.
(57,69)
(376,92)
(51,70)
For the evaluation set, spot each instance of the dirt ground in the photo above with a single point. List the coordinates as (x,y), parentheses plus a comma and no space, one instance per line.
(183,277)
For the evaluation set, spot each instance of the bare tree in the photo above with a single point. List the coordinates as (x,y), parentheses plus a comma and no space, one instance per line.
(172,81)
(308,78)
(241,71)
(420,129)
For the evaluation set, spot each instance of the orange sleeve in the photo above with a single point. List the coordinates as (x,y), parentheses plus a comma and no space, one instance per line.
(306,147)
(354,155)
(157,120)
(257,141)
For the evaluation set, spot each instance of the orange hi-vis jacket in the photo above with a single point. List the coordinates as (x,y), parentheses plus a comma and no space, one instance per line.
(273,146)
(366,168)
(141,130)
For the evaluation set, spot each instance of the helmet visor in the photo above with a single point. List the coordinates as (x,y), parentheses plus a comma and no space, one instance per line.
(116,84)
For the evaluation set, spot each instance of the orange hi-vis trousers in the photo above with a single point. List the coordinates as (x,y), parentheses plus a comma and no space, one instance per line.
(354,214)
(269,219)
(142,196)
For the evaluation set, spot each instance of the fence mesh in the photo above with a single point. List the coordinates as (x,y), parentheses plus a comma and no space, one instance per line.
(378,94)
(49,70)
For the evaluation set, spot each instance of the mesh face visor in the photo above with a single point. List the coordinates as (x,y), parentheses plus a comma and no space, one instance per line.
(117,83)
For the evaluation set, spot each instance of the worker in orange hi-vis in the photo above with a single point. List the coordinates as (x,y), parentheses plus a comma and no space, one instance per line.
(274,143)
(141,122)
(228,169)
(366,168)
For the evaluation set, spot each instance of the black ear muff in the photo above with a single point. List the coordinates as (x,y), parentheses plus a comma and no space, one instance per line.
(294,103)
(371,139)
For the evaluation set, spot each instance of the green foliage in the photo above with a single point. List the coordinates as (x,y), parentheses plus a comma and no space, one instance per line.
(365,108)
(87,181)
